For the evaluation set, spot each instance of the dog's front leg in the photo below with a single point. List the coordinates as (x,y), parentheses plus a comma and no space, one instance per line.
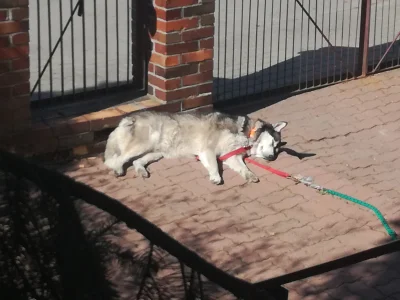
(141,163)
(237,164)
(209,161)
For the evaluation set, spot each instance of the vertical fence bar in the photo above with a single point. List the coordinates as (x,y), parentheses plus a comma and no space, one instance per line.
(329,37)
(233,47)
(270,45)
(394,27)
(374,48)
(84,47)
(294,39)
(95,43)
(241,48)
(226,41)
(248,52)
(308,42)
(263,48)
(62,49)
(72,48)
(335,52)
(39,49)
(341,45)
(322,43)
(219,45)
(279,43)
(49,31)
(128,40)
(256,47)
(315,42)
(106,33)
(301,45)
(364,37)
(348,42)
(286,39)
(117,38)
(355,43)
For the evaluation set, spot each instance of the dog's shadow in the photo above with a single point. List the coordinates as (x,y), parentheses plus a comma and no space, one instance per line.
(292,152)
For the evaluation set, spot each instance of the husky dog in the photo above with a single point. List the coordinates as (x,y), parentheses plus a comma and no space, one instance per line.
(149,136)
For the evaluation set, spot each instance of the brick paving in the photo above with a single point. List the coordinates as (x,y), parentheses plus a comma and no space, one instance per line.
(258,231)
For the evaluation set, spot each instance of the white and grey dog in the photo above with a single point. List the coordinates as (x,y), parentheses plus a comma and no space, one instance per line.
(149,136)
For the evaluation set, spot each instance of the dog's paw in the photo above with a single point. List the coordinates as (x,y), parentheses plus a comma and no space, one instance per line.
(216,179)
(142,172)
(250,177)
(119,173)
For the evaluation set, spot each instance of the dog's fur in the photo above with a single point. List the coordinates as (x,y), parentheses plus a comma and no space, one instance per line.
(148,136)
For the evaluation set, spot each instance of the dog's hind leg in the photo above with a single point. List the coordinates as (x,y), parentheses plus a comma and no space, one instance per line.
(209,161)
(237,164)
(140,163)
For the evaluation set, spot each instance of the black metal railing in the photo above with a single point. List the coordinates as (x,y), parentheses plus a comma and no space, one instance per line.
(60,239)
(264,47)
(80,48)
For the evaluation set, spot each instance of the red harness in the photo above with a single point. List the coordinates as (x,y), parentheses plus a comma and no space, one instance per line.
(243,150)
(232,153)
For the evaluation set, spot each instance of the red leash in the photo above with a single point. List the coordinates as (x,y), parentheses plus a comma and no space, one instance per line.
(265,167)
(262,166)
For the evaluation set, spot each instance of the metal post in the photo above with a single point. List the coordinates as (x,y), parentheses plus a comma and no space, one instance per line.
(364,37)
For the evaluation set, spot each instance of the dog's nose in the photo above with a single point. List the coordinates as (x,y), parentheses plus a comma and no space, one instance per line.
(270,157)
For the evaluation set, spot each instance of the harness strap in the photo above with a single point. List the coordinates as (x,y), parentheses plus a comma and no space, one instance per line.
(232,153)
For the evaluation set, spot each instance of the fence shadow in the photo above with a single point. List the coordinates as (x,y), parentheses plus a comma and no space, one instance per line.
(57,246)
(308,70)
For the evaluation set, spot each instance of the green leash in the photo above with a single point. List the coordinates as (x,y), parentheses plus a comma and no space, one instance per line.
(308,181)
(389,230)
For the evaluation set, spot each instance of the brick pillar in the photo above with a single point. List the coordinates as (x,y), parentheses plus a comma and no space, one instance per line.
(181,64)
(14,66)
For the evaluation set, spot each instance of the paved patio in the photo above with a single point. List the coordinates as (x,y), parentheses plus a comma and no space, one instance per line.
(258,231)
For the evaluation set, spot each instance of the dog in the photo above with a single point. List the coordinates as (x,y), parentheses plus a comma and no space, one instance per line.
(148,136)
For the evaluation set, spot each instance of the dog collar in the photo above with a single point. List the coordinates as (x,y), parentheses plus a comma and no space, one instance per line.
(252,132)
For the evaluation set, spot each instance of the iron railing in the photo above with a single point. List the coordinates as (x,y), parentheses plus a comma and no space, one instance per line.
(264,47)
(81,48)
(60,239)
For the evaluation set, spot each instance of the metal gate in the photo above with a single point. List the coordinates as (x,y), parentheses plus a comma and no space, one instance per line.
(264,47)
(79,49)
(384,32)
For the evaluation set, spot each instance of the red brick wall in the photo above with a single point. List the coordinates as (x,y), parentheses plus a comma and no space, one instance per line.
(181,66)
(14,66)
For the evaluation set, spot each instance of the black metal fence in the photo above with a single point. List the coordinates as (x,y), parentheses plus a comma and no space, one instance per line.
(79,48)
(267,46)
(60,239)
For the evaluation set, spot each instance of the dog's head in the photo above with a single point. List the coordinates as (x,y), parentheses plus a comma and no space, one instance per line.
(266,139)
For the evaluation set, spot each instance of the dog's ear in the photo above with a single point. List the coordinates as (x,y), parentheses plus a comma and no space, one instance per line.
(259,124)
(279,126)
(241,122)
(256,130)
